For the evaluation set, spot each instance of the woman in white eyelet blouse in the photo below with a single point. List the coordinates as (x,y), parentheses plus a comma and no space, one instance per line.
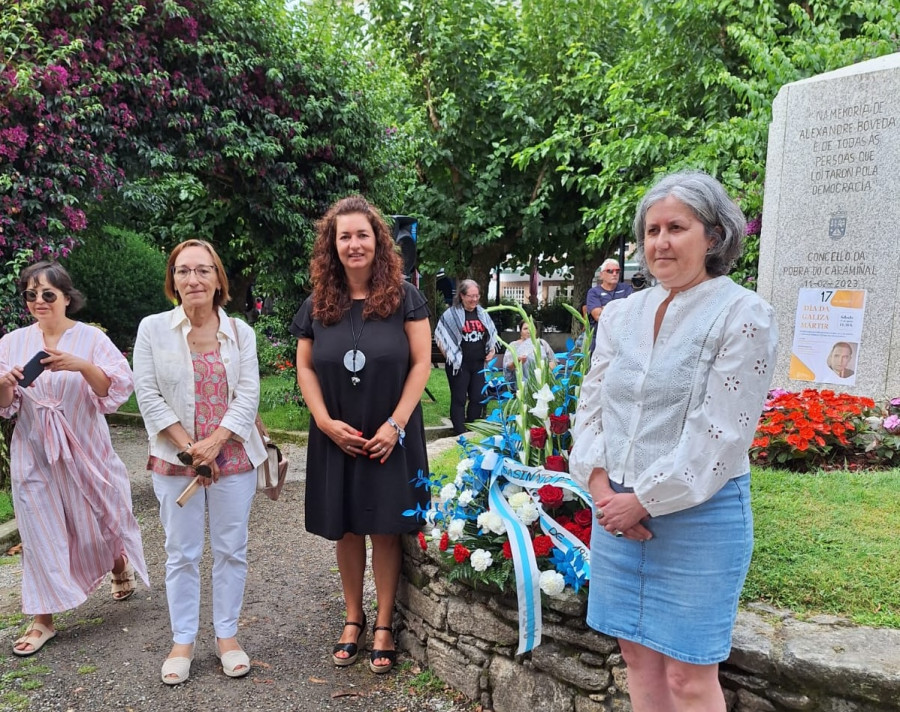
(666,415)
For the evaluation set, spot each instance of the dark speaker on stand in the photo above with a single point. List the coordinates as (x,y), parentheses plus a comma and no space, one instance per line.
(406,231)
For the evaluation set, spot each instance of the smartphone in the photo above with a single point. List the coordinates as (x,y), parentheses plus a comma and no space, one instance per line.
(33,369)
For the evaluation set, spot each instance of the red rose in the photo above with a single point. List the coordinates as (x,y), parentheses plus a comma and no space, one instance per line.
(538,437)
(585,536)
(557,463)
(559,424)
(584,517)
(573,528)
(460,553)
(422,542)
(445,541)
(543,545)
(563,519)
(550,496)
(507,550)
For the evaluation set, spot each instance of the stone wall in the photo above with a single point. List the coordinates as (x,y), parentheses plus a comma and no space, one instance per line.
(468,639)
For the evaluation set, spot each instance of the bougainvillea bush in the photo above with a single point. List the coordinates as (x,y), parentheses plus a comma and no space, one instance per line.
(823,429)
(530,426)
(190,118)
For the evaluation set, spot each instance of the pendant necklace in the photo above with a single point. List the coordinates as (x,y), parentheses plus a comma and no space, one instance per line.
(355,360)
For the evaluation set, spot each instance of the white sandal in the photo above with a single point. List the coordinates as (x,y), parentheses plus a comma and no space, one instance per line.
(177,670)
(234,659)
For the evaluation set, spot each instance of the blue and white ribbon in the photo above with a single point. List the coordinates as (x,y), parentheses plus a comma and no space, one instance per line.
(524,561)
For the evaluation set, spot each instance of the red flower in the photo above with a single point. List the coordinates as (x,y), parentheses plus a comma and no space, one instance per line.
(573,528)
(445,542)
(556,463)
(507,550)
(551,496)
(584,517)
(422,542)
(559,424)
(585,536)
(543,545)
(460,553)
(563,519)
(538,437)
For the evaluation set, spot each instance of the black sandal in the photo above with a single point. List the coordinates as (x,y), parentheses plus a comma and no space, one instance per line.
(391,655)
(352,649)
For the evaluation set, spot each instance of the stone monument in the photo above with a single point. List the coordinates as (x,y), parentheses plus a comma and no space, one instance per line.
(830,243)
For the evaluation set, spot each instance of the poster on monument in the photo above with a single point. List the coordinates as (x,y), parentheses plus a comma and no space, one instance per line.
(827,332)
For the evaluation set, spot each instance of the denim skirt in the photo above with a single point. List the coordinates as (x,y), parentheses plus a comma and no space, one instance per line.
(678,592)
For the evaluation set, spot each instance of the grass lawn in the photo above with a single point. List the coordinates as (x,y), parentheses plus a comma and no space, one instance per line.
(825,543)
(281,411)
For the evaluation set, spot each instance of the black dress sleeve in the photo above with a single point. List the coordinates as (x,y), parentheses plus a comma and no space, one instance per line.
(302,324)
(415,307)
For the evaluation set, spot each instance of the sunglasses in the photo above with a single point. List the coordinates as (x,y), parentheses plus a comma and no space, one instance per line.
(187,459)
(47,295)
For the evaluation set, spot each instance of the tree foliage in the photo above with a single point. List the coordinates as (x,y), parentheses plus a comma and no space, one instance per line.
(218,119)
(545,120)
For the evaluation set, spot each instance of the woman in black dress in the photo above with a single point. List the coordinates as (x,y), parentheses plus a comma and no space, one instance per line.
(363,361)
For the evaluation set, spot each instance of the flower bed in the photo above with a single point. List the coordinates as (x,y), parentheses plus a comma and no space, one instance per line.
(823,429)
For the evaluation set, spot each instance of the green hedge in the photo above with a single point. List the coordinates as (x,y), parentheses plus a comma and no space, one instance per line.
(122,277)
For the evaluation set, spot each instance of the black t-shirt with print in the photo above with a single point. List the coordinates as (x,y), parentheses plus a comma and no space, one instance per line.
(474,335)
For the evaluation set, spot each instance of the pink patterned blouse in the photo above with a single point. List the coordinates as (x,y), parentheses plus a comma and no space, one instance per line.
(211,402)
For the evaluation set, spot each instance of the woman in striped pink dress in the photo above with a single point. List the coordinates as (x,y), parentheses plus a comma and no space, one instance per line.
(71,492)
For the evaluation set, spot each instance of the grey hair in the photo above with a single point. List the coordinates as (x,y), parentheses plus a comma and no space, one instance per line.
(464,288)
(609,261)
(722,219)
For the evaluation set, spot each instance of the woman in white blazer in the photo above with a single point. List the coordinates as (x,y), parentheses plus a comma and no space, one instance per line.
(197,385)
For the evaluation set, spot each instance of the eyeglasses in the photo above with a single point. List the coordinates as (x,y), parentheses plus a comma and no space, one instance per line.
(202,271)
(612,271)
(187,459)
(47,295)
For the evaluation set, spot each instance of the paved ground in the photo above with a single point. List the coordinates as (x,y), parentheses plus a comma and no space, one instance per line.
(107,655)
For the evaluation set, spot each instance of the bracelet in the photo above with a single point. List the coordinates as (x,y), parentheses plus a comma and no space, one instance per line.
(401,433)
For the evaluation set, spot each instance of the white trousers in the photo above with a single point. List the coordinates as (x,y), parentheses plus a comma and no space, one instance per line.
(228,502)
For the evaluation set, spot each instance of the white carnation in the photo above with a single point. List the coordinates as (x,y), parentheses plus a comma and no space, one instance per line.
(465,498)
(492,521)
(519,499)
(430,515)
(510,489)
(481,559)
(455,530)
(435,534)
(448,492)
(528,513)
(464,465)
(552,583)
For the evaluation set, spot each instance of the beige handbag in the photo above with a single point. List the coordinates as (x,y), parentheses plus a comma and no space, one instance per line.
(271,472)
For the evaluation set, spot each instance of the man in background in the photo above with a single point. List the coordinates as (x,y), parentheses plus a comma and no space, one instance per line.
(606,291)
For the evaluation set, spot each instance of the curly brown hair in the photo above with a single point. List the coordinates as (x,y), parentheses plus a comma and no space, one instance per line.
(330,295)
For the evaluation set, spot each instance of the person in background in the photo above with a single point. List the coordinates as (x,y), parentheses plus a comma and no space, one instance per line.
(522,351)
(467,337)
(70,490)
(197,385)
(363,361)
(609,289)
(664,421)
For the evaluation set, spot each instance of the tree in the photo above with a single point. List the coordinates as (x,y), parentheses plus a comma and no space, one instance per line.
(486,75)
(207,118)
(693,87)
